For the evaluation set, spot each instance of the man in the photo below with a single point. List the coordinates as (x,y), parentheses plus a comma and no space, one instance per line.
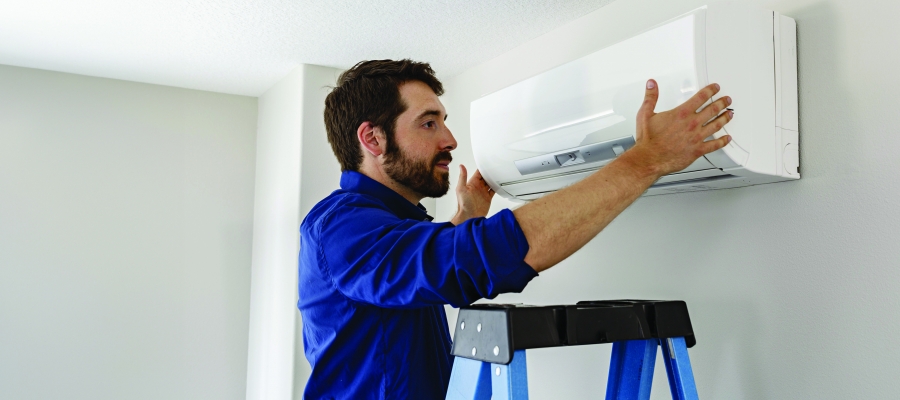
(375,272)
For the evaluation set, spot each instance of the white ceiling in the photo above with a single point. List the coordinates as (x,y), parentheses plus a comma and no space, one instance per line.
(244,47)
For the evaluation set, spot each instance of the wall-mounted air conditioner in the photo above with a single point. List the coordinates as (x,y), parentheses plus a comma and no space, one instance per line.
(552,130)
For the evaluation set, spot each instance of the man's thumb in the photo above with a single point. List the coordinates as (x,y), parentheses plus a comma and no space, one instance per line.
(651,94)
(463,177)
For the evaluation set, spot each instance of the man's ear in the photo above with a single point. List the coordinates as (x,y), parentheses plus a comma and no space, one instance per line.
(371,138)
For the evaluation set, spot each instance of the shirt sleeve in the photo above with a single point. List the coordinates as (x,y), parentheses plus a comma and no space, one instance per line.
(374,257)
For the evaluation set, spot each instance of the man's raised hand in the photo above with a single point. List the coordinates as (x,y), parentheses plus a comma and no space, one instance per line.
(473,196)
(670,141)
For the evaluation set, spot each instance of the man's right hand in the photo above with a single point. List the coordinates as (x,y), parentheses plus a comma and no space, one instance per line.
(560,223)
(670,141)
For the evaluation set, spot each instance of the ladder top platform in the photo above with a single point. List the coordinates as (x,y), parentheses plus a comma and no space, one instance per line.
(493,332)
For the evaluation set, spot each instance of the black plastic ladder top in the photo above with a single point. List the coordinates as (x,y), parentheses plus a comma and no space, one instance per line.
(492,332)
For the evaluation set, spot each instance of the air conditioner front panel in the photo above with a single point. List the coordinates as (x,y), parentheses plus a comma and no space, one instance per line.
(552,130)
(591,100)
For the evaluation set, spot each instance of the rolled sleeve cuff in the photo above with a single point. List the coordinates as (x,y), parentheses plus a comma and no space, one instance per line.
(511,268)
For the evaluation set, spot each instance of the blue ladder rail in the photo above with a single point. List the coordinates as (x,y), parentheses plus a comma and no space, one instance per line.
(479,380)
(490,355)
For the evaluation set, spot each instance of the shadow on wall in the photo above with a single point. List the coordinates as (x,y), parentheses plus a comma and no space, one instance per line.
(825,107)
(824,104)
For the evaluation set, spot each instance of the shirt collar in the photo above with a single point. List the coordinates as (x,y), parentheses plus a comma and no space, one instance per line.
(356,182)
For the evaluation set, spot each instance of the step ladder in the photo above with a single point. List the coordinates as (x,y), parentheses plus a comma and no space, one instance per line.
(491,340)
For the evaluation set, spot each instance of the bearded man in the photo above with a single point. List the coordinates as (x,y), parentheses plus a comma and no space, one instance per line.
(375,272)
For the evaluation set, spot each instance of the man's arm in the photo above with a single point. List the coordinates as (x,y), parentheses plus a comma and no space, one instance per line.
(375,257)
(560,223)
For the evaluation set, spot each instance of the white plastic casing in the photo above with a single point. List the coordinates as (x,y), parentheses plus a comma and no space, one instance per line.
(552,130)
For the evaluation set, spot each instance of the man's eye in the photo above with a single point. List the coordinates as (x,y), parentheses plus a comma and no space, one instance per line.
(429,124)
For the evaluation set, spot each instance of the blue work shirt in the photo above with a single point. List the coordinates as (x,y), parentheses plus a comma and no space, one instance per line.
(375,273)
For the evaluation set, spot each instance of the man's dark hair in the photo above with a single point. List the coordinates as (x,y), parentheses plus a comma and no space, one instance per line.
(370,91)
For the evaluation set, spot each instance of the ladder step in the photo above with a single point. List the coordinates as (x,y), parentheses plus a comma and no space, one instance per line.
(492,332)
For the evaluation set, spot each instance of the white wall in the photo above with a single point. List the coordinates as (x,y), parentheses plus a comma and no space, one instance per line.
(793,288)
(270,362)
(125,237)
(295,169)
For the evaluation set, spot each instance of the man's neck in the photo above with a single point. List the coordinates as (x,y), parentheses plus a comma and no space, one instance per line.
(381,177)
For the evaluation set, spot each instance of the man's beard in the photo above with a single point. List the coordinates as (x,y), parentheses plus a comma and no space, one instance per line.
(419,175)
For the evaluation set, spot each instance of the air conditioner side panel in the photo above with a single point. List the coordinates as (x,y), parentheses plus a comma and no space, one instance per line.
(740,56)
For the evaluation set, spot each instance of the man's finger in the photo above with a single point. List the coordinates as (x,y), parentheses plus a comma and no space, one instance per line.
(651,94)
(698,100)
(478,179)
(717,124)
(712,110)
(713,145)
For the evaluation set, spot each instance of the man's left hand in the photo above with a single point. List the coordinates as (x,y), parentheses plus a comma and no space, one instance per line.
(473,196)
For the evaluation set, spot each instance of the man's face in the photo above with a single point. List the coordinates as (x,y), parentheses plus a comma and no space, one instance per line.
(419,156)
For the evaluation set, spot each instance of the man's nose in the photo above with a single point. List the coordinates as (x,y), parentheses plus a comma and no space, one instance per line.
(449,140)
